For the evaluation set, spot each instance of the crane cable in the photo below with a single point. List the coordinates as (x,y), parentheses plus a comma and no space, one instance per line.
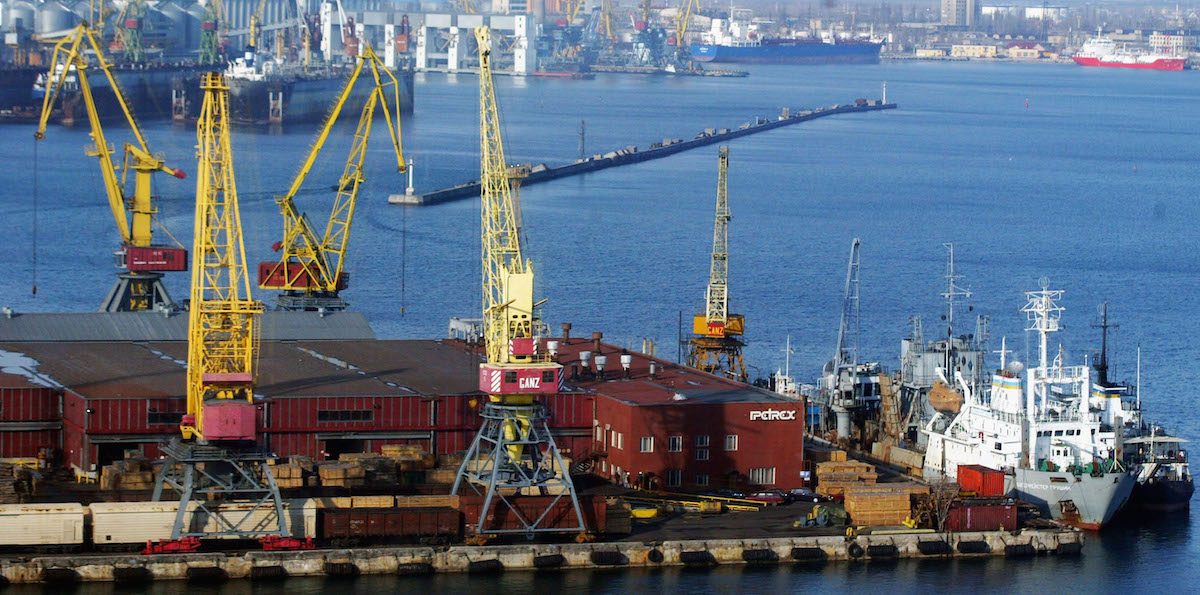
(35,214)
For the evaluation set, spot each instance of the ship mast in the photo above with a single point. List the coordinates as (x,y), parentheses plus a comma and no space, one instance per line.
(952,291)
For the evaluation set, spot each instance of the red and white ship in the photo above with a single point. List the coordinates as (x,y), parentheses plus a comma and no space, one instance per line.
(1101,51)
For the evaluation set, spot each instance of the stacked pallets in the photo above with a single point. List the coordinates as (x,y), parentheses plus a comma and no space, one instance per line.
(878,508)
(836,478)
(14,483)
(132,474)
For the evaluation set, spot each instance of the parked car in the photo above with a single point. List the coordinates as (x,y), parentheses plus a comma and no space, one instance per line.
(806,495)
(771,496)
(728,493)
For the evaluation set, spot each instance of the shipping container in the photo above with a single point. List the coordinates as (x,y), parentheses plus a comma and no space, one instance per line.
(155,258)
(983,481)
(992,517)
(41,524)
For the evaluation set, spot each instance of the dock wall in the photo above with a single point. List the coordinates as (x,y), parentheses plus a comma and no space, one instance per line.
(131,568)
(631,154)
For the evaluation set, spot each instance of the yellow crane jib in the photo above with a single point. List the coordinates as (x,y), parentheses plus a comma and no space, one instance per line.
(313,264)
(715,347)
(223,320)
(514,370)
(133,213)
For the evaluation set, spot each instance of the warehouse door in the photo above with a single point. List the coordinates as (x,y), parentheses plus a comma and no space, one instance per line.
(335,447)
(110,452)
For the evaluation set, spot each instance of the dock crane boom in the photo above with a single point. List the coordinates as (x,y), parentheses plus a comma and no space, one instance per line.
(309,269)
(715,347)
(139,286)
(513,449)
(216,457)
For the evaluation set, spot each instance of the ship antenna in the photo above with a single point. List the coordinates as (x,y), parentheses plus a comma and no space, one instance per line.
(1101,364)
(952,291)
(1139,377)
(1003,351)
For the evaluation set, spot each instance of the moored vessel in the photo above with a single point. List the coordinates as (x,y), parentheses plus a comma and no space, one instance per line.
(733,40)
(1041,426)
(1102,51)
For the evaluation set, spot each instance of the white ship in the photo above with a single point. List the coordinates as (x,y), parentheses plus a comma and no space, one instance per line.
(1059,446)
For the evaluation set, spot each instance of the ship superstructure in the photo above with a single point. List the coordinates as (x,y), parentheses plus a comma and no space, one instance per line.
(1056,443)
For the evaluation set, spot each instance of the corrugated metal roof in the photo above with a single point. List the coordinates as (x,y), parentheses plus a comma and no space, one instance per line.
(155,326)
(670,380)
(110,370)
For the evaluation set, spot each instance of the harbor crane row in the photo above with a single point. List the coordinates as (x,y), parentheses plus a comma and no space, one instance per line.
(139,284)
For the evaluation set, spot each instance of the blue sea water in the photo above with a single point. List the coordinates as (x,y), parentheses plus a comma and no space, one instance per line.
(1085,176)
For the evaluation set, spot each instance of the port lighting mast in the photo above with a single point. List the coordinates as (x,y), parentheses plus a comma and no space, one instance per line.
(513,453)
(309,269)
(139,284)
(217,458)
(715,348)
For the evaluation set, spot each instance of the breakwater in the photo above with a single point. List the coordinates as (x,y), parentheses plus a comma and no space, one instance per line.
(631,154)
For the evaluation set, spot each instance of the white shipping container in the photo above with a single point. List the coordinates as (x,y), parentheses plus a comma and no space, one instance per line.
(41,524)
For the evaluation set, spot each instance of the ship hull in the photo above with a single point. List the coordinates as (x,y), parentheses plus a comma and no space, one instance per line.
(147,91)
(285,99)
(1159,64)
(1085,501)
(805,53)
(1162,496)
(16,86)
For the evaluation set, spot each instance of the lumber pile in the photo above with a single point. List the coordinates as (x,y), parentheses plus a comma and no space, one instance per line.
(835,478)
(341,474)
(288,475)
(131,474)
(878,508)
(14,483)
(820,454)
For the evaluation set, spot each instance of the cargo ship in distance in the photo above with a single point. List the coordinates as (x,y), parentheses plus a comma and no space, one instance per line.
(1102,51)
(740,42)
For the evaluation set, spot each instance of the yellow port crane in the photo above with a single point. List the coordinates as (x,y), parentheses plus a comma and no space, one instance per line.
(216,457)
(222,321)
(309,269)
(715,347)
(682,21)
(513,449)
(139,286)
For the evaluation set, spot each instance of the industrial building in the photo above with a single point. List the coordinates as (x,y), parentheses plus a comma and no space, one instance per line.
(93,385)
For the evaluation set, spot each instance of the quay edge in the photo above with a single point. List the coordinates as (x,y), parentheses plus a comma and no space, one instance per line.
(417,560)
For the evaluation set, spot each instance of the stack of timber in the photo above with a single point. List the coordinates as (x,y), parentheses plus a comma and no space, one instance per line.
(131,474)
(821,454)
(911,461)
(342,474)
(878,508)
(15,483)
(834,479)
(288,475)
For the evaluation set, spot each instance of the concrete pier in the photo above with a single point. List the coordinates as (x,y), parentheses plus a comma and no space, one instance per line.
(631,154)
(483,559)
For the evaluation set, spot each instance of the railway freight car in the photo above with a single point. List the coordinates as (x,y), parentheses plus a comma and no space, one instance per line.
(122,526)
(42,527)
(368,526)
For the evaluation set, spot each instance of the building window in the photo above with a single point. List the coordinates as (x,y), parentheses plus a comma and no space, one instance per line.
(356,415)
(603,467)
(675,444)
(612,440)
(164,418)
(762,476)
(701,454)
(620,441)
(731,442)
(702,441)
(647,444)
(674,478)
(600,434)
(702,479)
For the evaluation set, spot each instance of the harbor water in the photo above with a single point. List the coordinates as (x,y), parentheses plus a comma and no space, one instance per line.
(1084,176)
